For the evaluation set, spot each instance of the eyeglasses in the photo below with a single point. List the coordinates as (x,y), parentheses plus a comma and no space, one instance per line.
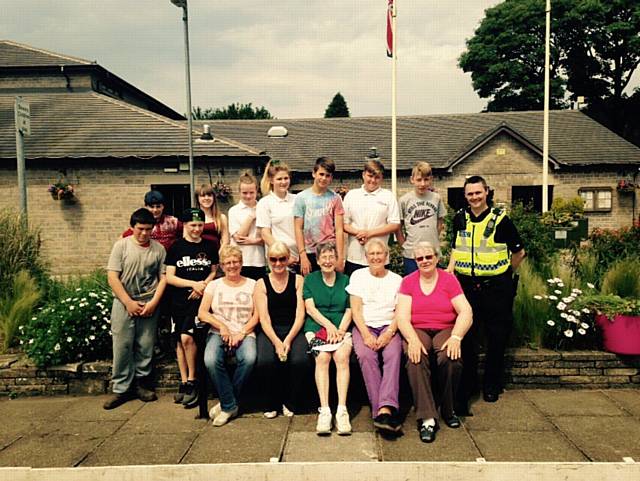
(281,259)
(428,257)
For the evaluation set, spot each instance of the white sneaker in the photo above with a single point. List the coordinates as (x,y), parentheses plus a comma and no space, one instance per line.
(270,414)
(214,411)
(224,417)
(286,412)
(343,426)
(324,423)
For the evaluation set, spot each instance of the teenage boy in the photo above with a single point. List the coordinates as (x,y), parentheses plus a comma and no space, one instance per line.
(166,228)
(318,217)
(422,213)
(191,263)
(136,275)
(369,212)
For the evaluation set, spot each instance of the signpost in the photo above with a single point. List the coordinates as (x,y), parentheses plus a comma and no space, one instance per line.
(23,127)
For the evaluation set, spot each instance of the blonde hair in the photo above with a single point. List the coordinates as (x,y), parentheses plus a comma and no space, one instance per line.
(272,168)
(278,248)
(246,177)
(229,251)
(374,166)
(422,169)
(215,212)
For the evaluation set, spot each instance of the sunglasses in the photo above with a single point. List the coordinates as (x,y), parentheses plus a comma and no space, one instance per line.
(282,259)
(428,257)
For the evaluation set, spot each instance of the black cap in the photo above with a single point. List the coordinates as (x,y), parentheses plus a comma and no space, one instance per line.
(192,215)
(153,197)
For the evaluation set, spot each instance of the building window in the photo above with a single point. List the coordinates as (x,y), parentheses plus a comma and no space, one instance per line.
(176,197)
(596,199)
(530,196)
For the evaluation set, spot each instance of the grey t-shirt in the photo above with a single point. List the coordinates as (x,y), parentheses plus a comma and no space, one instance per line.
(420,216)
(139,267)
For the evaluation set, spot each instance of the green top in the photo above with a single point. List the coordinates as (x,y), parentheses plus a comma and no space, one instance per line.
(330,301)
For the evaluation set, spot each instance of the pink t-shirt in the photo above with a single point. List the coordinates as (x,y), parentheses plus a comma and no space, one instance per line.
(433,311)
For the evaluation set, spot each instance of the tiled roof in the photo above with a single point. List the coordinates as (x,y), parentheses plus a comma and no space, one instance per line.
(574,139)
(78,125)
(13,54)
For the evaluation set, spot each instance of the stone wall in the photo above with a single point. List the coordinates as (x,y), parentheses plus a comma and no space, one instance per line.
(77,237)
(526,369)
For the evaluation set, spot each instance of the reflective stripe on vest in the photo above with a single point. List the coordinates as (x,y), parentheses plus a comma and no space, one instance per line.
(478,255)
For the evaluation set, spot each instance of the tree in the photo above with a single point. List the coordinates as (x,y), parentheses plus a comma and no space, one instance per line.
(595,48)
(235,111)
(337,107)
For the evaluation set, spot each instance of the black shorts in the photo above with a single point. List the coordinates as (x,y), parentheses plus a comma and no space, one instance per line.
(182,325)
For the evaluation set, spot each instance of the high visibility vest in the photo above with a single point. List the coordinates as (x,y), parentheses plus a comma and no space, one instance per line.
(476,252)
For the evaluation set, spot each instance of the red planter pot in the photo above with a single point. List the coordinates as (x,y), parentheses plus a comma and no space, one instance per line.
(622,336)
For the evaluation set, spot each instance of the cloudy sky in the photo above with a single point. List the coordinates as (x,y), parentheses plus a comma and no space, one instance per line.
(291,56)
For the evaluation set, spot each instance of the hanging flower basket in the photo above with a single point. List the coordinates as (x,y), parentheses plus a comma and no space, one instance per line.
(626,186)
(222,191)
(61,191)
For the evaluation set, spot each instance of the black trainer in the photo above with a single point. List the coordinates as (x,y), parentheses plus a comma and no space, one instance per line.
(190,398)
(179,396)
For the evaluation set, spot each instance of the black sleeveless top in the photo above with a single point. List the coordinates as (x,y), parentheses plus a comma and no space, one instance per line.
(282,306)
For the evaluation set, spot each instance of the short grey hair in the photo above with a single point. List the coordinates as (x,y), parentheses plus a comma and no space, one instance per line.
(425,246)
(376,241)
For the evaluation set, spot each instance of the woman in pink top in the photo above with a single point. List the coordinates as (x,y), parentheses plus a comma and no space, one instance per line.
(433,316)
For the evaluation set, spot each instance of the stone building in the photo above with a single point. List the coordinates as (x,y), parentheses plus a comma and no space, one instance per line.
(586,159)
(113,143)
(108,139)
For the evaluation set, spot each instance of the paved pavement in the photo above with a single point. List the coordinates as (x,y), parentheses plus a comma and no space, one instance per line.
(525,425)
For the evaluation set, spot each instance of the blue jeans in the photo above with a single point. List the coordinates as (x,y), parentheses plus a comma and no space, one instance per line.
(409,266)
(214,360)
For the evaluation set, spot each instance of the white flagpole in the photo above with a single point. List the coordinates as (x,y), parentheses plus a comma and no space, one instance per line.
(394,59)
(545,132)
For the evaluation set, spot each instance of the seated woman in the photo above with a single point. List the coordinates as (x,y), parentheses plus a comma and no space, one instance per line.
(282,355)
(373,299)
(433,316)
(227,305)
(328,318)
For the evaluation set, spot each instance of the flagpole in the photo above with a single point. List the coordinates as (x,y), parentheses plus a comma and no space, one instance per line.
(545,131)
(394,147)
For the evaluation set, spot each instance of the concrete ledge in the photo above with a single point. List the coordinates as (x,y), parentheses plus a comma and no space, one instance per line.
(387,471)
(526,368)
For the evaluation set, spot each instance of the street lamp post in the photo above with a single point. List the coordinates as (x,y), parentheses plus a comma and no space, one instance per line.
(187,73)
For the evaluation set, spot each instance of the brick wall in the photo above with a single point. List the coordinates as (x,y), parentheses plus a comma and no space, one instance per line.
(77,238)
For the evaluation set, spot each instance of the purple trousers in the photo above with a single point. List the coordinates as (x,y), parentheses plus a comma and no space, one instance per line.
(382,379)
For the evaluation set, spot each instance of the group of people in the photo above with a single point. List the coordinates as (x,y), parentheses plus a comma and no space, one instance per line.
(305,277)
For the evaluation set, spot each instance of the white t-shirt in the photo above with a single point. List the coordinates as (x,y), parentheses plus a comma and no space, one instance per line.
(277,214)
(368,210)
(252,255)
(379,295)
(231,305)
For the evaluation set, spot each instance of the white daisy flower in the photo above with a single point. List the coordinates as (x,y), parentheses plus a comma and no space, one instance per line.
(582,331)
(94,318)
(557,291)
(564,315)
(568,333)
(551,323)
(584,325)
(69,339)
(561,306)
(586,311)
(537,297)
(553,298)
(590,286)
(56,347)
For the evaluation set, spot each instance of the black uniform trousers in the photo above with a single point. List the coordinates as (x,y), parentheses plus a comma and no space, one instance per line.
(491,299)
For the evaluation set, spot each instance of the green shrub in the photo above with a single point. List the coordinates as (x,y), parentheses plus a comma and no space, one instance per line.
(623,279)
(19,250)
(611,245)
(536,237)
(396,262)
(73,325)
(585,265)
(16,306)
(530,315)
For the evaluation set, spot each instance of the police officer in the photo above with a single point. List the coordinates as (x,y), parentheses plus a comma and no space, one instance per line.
(485,254)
